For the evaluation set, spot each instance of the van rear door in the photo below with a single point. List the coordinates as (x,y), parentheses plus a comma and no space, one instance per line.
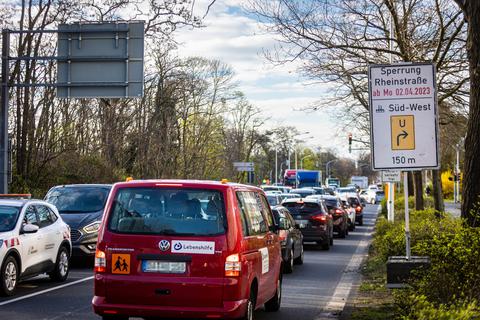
(166,247)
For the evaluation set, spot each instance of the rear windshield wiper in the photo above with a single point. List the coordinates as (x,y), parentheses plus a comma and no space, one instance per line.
(173,233)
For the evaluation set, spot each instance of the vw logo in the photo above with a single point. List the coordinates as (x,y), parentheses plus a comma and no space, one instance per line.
(164,245)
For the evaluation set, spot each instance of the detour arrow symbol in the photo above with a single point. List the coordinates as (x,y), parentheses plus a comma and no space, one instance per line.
(404,135)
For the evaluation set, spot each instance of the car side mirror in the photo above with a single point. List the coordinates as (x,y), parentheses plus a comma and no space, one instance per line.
(273,228)
(30,228)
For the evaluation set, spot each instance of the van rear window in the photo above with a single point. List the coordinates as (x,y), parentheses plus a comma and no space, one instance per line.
(162,211)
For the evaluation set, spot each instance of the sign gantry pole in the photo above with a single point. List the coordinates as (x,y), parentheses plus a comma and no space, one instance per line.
(4,112)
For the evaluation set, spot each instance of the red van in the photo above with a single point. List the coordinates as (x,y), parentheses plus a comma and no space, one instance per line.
(186,249)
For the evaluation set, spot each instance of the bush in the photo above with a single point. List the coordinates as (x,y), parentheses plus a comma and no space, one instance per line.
(400,205)
(418,307)
(450,288)
(389,237)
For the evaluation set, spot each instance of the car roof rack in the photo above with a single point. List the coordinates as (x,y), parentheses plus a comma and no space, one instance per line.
(18,196)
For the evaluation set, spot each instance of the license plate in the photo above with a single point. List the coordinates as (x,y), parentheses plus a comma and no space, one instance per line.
(163,267)
(302,223)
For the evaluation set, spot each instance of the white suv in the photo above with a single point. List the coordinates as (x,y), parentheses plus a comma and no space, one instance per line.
(33,240)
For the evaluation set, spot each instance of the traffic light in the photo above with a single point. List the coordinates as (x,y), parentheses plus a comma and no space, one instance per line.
(350,143)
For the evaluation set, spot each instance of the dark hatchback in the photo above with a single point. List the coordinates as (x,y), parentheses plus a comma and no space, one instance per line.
(81,207)
(340,216)
(291,238)
(313,219)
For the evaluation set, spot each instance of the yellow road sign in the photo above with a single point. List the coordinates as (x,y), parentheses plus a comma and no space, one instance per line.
(403,132)
(121,263)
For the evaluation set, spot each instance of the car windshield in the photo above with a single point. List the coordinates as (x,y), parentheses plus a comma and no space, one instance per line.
(78,199)
(353,201)
(162,211)
(272,200)
(8,217)
(304,192)
(271,189)
(380,193)
(346,190)
(331,203)
(302,208)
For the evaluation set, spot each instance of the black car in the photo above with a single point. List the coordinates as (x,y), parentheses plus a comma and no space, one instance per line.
(81,207)
(291,238)
(313,219)
(340,216)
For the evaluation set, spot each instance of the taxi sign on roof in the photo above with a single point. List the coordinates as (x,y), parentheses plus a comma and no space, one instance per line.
(403,116)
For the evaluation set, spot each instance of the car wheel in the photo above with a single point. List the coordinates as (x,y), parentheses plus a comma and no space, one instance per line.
(273,304)
(288,266)
(342,233)
(299,259)
(360,222)
(346,229)
(62,266)
(250,306)
(10,275)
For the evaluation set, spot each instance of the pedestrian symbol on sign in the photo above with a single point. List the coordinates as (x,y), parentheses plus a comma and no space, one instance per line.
(121,263)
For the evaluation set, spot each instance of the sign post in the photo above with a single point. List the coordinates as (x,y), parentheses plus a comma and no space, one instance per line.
(391,177)
(404,121)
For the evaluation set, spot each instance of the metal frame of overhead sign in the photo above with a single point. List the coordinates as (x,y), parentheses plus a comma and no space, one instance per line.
(126,85)
(409,97)
(100,60)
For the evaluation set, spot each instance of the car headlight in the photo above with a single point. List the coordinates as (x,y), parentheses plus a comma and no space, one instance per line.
(92,227)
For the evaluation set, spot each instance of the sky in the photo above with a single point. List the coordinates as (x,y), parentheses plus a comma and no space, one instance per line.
(238,39)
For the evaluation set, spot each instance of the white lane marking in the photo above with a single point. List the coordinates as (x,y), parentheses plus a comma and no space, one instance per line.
(349,277)
(45,291)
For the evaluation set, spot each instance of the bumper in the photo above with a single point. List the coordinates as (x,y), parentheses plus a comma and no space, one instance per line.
(230,310)
(84,249)
(316,235)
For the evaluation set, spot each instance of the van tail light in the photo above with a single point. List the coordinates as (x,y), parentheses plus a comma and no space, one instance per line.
(233,266)
(320,218)
(100,262)
(358,209)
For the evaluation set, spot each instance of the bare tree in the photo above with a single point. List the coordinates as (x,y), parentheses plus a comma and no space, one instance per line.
(337,39)
(471,187)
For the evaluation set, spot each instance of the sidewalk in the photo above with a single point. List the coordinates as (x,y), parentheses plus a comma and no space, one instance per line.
(453,208)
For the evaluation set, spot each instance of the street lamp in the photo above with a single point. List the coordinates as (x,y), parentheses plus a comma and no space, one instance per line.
(328,167)
(295,149)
